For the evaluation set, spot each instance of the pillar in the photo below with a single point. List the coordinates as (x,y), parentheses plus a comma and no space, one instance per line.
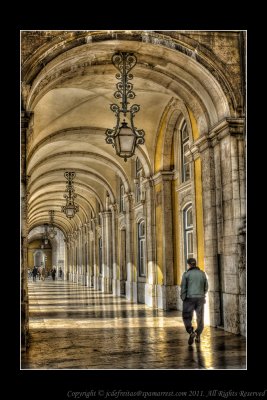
(25,118)
(106,252)
(151,284)
(95,254)
(223,179)
(116,284)
(131,284)
(210,228)
(166,290)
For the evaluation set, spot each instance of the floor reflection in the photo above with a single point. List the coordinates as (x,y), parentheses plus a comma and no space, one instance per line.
(75,327)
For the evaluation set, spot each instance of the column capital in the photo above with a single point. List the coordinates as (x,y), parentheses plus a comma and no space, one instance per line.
(105,214)
(223,128)
(163,176)
(113,208)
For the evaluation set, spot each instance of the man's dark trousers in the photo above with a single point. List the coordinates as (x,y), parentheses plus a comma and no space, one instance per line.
(189,305)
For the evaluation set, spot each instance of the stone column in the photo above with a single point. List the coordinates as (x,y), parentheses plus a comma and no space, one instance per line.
(106,252)
(91,259)
(67,257)
(210,228)
(70,257)
(167,292)
(86,255)
(95,254)
(25,118)
(242,277)
(149,201)
(231,136)
(116,289)
(80,261)
(131,284)
(223,180)
(83,241)
(74,264)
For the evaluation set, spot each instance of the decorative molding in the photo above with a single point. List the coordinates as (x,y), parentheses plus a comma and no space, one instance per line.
(163,176)
(99,231)
(184,186)
(138,206)
(91,236)
(113,208)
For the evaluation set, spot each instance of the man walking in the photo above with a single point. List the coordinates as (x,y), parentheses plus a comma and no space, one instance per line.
(194,287)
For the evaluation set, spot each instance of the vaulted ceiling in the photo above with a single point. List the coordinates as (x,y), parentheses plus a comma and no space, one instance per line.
(68,83)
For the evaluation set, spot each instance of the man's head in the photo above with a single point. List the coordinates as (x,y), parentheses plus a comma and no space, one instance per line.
(191,262)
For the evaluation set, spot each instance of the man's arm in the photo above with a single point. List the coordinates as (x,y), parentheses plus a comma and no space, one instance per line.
(183,287)
(206,284)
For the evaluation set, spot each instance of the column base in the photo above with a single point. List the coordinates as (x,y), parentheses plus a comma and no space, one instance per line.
(167,297)
(116,287)
(151,295)
(242,311)
(81,280)
(97,282)
(24,326)
(122,287)
(141,292)
(131,291)
(231,313)
(106,285)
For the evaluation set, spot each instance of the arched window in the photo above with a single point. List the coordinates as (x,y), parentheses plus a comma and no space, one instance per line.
(188,233)
(122,192)
(138,176)
(186,170)
(141,248)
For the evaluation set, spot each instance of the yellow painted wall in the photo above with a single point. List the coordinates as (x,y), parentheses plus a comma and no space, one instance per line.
(135,252)
(198,199)
(194,127)
(160,139)
(36,245)
(199,214)
(176,236)
(158,189)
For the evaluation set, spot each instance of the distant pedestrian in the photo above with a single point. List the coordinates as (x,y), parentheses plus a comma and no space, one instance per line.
(43,273)
(53,272)
(60,272)
(34,273)
(194,287)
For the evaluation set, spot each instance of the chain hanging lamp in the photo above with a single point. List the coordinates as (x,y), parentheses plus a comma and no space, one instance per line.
(52,230)
(123,137)
(45,237)
(71,207)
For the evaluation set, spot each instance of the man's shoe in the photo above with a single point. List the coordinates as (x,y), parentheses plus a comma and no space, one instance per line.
(191,338)
(197,338)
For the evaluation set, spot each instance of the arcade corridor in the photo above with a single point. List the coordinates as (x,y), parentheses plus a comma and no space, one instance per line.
(133,160)
(74,327)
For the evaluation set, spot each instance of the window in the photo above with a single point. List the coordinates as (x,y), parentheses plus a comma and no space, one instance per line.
(188,233)
(138,176)
(100,255)
(122,192)
(186,170)
(141,248)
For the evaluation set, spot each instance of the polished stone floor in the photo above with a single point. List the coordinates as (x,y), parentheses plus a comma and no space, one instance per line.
(75,327)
